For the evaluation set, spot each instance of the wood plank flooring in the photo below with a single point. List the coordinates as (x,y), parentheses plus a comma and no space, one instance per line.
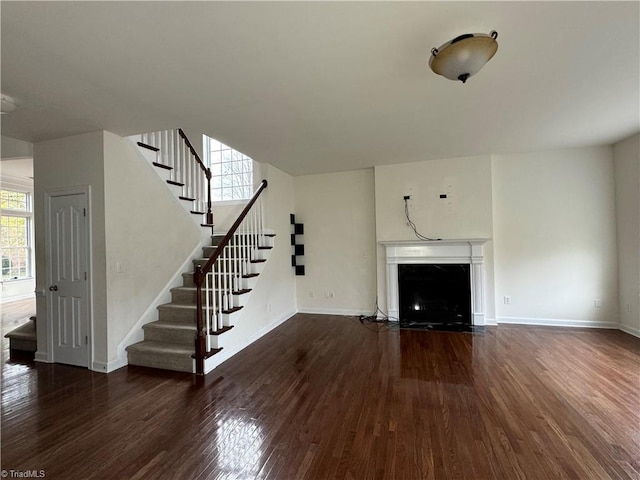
(326,397)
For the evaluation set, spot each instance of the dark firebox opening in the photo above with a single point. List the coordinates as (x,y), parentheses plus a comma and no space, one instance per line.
(438,295)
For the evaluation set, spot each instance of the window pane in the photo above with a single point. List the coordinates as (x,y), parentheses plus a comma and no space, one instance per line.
(216,169)
(14,200)
(227,194)
(214,144)
(14,238)
(215,157)
(232,172)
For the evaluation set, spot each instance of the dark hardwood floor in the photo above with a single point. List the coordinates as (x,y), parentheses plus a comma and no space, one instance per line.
(324,397)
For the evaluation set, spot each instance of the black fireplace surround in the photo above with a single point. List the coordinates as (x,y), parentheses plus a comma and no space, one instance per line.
(434,295)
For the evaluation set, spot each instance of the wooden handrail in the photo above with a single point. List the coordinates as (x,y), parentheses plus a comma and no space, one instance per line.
(206,268)
(207,174)
(193,150)
(199,277)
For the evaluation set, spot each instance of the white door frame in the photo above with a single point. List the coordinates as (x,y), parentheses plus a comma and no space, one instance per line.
(58,192)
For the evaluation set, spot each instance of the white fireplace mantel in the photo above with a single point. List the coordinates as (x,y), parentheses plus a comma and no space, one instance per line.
(465,251)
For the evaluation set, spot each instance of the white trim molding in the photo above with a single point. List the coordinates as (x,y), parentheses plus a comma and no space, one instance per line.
(334,311)
(630,330)
(465,251)
(557,322)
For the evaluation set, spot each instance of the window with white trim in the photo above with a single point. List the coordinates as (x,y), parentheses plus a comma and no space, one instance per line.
(231,171)
(15,234)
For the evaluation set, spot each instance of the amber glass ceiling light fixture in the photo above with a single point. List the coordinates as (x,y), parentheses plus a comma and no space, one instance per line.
(463,56)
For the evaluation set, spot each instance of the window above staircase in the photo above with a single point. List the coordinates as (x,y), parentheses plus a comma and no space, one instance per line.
(231,171)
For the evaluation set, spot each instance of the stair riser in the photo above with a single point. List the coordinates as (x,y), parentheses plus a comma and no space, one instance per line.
(177,315)
(208,251)
(187,316)
(176,190)
(188,297)
(217,239)
(235,264)
(187,281)
(232,267)
(166,362)
(159,334)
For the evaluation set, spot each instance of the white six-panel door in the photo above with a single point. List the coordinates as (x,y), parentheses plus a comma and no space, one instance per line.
(68,291)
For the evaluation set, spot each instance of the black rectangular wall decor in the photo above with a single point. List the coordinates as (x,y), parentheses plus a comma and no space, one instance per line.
(297,230)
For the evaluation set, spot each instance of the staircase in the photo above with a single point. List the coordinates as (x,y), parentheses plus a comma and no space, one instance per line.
(169,342)
(191,329)
(179,165)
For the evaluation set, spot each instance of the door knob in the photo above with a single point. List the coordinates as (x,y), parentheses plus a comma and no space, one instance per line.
(53,288)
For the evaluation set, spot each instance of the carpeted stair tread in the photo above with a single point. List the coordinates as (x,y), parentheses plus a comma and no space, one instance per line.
(179,306)
(171,325)
(26,331)
(174,349)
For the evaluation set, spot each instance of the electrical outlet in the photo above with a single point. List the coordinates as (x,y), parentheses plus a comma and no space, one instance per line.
(332,294)
(597,303)
(407,197)
(311,294)
(628,306)
(507,300)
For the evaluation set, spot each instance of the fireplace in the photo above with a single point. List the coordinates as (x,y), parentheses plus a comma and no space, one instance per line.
(450,265)
(434,294)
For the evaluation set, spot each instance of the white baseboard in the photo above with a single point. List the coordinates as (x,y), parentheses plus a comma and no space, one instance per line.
(491,322)
(556,322)
(224,355)
(41,357)
(630,330)
(109,367)
(334,311)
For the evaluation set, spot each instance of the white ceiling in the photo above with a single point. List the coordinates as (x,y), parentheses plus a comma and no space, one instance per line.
(324,86)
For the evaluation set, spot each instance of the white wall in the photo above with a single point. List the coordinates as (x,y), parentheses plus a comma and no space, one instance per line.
(65,162)
(14,148)
(554,237)
(273,299)
(626,155)
(149,236)
(338,214)
(465,213)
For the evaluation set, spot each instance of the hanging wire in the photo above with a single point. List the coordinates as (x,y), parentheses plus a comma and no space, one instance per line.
(413,225)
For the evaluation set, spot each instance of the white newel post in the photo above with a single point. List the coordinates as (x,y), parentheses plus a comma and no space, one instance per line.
(463,251)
